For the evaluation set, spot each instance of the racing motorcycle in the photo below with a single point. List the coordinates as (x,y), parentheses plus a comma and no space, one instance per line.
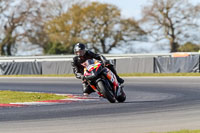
(103,81)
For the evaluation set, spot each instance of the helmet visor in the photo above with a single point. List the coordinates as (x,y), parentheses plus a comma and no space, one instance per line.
(80,52)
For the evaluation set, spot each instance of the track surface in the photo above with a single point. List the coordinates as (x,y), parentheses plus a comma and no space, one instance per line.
(153,104)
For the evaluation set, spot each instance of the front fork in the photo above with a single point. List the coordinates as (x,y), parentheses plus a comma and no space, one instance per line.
(112,82)
(95,89)
(119,90)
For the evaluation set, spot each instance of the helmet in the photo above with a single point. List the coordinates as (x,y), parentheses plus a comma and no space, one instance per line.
(79,49)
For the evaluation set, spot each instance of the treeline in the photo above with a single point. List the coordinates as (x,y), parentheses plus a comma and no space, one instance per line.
(55,26)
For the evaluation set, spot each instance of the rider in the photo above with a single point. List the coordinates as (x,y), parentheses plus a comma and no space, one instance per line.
(81,56)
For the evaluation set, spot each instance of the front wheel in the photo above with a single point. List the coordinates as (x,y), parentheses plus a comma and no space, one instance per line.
(122,97)
(105,91)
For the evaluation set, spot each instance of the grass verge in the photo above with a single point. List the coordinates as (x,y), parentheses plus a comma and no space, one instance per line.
(16,96)
(182,131)
(158,74)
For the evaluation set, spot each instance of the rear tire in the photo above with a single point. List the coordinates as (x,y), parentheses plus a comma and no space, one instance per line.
(104,90)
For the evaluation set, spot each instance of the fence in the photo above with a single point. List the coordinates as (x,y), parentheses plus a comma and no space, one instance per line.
(125,63)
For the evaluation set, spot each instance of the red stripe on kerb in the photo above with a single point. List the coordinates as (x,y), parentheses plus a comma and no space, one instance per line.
(57,101)
(11,105)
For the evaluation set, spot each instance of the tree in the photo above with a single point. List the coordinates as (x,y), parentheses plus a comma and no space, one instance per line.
(49,9)
(189,47)
(22,22)
(13,18)
(173,20)
(6,32)
(99,25)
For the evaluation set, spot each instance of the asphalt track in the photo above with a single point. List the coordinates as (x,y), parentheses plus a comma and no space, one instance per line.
(153,104)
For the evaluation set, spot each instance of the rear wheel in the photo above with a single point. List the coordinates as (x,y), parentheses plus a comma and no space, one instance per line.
(106,92)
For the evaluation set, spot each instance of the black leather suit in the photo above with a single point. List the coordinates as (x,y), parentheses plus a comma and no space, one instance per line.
(78,69)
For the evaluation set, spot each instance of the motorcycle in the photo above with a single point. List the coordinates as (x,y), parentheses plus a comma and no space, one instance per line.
(103,81)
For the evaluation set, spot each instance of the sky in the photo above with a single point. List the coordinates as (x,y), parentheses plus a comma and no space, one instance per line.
(129,8)
(132,8)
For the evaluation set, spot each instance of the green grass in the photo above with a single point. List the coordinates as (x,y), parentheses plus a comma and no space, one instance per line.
(16,96)
(182,131)
(157,74)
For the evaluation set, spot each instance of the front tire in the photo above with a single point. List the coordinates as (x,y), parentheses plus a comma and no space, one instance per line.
(105,91)
(121,98)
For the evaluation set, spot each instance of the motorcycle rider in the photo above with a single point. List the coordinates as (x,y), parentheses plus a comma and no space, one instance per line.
(81,56)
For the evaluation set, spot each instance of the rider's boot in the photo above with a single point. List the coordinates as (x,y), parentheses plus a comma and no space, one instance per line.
(87,89)
(120,80)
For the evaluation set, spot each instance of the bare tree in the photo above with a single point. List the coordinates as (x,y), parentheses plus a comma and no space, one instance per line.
(13,19)
(3,28)
(23,22)
(49,9)
(173,20)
